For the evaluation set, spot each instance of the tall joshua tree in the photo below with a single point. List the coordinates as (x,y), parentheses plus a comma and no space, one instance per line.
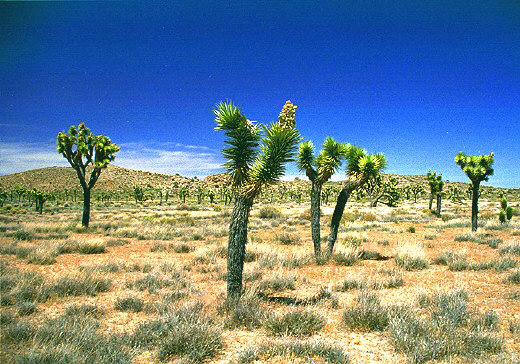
(319,169)
(361,167)
(256,157)
(478,169)
(81,148)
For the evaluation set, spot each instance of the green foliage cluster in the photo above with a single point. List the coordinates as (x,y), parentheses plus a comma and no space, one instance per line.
(506,212)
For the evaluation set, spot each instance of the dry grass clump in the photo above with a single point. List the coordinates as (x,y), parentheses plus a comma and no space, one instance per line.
(296,323)
(410,256)
(367,315)
(286,351)
(448,330)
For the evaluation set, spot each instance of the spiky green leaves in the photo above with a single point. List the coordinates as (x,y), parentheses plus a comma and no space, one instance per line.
(278,147)
(253,158)
(477,168)
(435,181)
(305,158)
(81,148)
(363,166)
(242,137)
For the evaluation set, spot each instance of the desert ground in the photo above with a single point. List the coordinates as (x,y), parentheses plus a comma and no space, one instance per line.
(146,283)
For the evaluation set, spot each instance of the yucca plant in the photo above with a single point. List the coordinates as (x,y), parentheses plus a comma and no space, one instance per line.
(319,169)
(3,196)
(361,168)
(506,212)
(416,190)
(256,157)
(478,169)
(436,185)
(81,148)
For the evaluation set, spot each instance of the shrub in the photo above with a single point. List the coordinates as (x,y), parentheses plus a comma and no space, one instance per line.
(269,212)
(513,277)
(411,257)
(297,323)
(445,333)
(82,310)
(278,284)
(309,351)
(87,285)
(26,308)
(288,239)
(368,315)
(129,304)
(182,248)
(411,229)
(42,256)
(512,248)
(23,235)
(246,312)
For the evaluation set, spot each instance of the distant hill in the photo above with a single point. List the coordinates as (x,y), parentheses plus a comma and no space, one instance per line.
(119,178)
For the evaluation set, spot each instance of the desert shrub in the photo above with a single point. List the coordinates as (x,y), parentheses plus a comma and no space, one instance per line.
(411,257)
(80,247)
(86,285)
(308,351)
(82,310)
(430,237)
(158,247)
(288,239)
(514,327)
(246,312)
(26,308)
(269,212)
(512,248)
(132,304)
(395,280)
(383,242)
(470,237)
(297,323)
(489,321)
(278,283)
(347,255)
(445,332)
(513,278)
(42,256)
(17,332)
(367,315)
(182,248)
(117,242)
(411,229)
(455,262)
(504,263)
(24,235)
(186,333)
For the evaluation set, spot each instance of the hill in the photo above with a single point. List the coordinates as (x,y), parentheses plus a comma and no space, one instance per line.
(119,178)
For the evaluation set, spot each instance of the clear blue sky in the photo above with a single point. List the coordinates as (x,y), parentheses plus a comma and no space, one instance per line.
(416,80)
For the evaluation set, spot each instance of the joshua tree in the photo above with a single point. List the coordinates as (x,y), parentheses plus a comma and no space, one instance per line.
(416,190)
(361,167)
(3,196)
(39,198)
(478,169)
(506,212)
(387,192)
(211,194)
(82,148)
(319,169)
(436,185)
(183,193)
(256,157)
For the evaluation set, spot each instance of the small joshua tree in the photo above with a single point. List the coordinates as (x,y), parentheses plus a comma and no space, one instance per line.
(361,168)
(506,212)
(478,169)
(3,196)
(256,157)
(436,185)
(416,190)
(319,169)
(81,148)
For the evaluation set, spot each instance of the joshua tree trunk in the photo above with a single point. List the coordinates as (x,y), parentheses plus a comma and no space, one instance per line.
(86,207)
(439,198)
(430,204)
(315,217)
(474,206)
(237,246)
(338,213)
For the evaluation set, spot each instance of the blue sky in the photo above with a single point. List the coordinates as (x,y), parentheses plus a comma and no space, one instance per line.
(416,80)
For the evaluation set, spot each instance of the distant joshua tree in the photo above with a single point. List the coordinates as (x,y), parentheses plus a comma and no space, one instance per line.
(319,169)
(256,157)
(436,185)
(478,169)
(81,148)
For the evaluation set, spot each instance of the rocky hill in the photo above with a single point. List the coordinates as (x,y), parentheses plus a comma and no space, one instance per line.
(119,178)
